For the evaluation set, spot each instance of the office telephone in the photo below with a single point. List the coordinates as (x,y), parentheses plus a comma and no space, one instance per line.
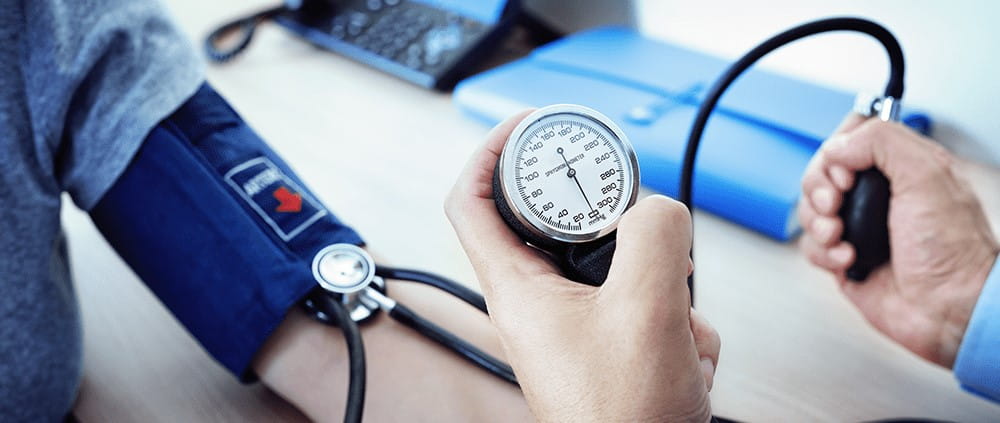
(432,43)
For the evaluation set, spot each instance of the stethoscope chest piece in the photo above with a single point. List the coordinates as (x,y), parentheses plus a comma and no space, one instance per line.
(348,270)
(343,268)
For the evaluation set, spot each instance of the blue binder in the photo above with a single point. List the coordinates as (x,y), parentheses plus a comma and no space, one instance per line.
(756,145)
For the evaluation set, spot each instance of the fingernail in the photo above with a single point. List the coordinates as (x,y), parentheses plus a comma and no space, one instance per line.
(823,199)
(823,228)
(840,255)
(840,177)
(708,369)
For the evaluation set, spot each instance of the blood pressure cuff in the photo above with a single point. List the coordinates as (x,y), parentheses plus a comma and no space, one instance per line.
(219,227)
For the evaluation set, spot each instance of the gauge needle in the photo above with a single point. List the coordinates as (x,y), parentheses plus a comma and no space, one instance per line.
(572,174)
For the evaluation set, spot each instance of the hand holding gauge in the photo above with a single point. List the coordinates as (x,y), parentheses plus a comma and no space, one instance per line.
(566,175)
(569,340)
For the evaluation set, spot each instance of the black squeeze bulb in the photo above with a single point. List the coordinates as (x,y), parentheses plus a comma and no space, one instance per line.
(865,213)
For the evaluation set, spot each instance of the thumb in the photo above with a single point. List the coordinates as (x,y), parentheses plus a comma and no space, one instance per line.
(652,256)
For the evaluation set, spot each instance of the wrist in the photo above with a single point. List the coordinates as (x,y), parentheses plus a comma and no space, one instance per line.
(965,294)
(621,408)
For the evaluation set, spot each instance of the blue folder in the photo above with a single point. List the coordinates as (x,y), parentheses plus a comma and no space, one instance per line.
(753,152)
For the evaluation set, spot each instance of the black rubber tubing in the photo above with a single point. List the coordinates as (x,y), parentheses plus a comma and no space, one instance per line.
(894,88)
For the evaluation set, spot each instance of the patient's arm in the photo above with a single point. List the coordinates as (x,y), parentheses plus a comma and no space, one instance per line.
(409,377)
(197,215)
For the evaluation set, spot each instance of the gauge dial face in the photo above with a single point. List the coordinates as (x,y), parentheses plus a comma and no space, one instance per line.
(569,173)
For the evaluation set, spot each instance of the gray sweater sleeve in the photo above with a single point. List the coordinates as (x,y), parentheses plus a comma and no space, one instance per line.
(98,75)
(81,84)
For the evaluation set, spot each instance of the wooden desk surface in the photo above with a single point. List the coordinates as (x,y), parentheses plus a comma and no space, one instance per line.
(793,348)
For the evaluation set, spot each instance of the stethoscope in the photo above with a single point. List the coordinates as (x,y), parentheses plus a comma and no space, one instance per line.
(352,288)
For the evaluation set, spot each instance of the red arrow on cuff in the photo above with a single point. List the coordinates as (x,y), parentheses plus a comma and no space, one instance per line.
(288,201)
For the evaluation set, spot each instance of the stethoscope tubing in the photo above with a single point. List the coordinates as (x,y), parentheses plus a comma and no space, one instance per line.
(409,318)
(337,315)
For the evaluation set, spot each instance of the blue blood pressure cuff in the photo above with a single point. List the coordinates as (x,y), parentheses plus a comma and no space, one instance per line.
(219,227)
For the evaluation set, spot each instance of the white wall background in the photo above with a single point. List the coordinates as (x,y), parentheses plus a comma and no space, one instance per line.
(952,51)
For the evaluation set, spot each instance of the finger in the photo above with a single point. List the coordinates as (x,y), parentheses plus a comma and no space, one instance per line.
(826,179)
(825,200)
(835,259)
(470,206)
(652,255)
(493,249)
(815,174)
(857,150)
(806,214)
(708,343)
(842,178)
(825,230)
(819,189)
(891,147)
